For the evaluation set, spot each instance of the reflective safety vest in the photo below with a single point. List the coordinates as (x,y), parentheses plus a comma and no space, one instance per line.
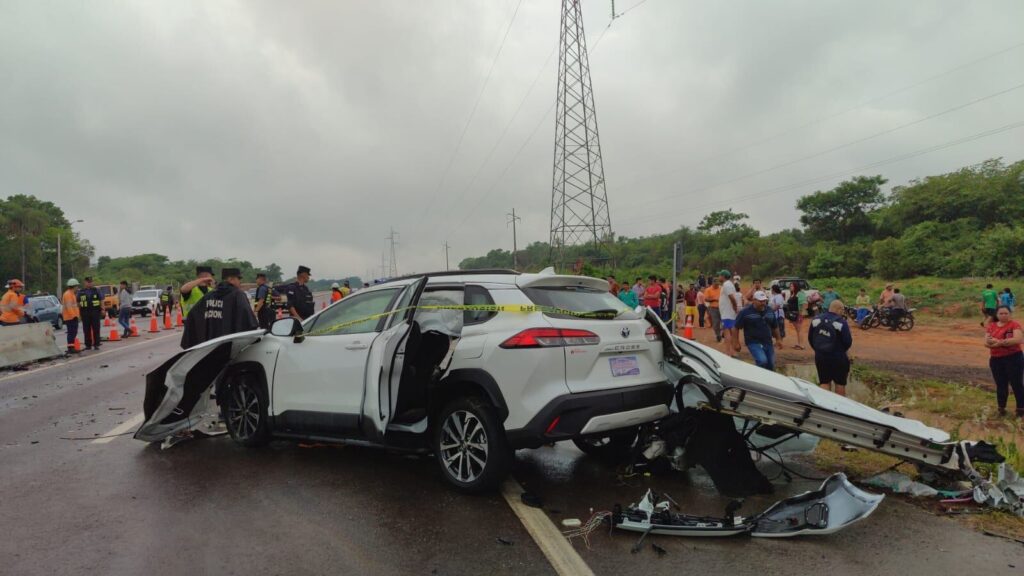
(90,299)
(190,300)
(70,305)
(165,298)
(11,308)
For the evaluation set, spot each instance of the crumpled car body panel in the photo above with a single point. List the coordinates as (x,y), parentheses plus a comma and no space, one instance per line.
(177,398)
(832,507)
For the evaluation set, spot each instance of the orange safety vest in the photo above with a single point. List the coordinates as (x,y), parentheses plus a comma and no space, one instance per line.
(70,306)
(336,295)
(11,310)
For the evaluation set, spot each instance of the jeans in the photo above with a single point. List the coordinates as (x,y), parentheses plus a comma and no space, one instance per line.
(701,311)
(124,318)
(716,322)
(1008,372)
(781,321)
(763,353)
(72,326)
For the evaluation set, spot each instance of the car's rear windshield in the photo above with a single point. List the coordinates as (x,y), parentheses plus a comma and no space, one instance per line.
(593,304)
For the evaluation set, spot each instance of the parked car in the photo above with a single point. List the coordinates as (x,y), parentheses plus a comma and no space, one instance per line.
(382,367)
(46,308)
(144,302)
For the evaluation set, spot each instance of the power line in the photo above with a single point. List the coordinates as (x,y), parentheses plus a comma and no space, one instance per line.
(784,188)
(836,148)
(825,118)
(472,112)
(501,175)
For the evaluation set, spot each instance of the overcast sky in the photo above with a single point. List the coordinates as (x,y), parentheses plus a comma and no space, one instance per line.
(301,132)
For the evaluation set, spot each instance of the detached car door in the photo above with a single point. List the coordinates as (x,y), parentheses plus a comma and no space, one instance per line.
(320,375)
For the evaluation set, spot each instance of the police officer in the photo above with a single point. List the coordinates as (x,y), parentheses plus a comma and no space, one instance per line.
(300,299)
(90,306)
(166,301)
(264,302)
(192,292)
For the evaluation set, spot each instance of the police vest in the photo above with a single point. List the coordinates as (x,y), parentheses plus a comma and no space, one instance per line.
(193,298)
(165,298)
(89,299)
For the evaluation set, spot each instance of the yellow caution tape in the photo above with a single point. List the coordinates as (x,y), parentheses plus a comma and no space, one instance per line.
(515,308)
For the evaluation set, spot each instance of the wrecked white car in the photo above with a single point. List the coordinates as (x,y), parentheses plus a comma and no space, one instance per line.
(466,365)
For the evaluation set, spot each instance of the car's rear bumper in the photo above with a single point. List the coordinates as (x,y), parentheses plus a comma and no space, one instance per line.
(593,413)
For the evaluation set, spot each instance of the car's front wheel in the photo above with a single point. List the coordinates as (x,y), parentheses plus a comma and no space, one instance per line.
(59,323)
(244,410)
(470,445)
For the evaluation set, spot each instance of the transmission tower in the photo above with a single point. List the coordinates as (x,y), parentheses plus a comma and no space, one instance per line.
(579,201)
(392,271)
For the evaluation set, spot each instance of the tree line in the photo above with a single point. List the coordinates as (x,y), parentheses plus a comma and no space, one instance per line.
(964,223)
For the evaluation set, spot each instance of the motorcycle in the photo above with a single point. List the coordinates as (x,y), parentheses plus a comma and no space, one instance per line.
(885,317)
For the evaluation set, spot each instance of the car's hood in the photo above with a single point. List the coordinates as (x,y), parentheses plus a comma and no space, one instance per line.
(175,392)
(735,373)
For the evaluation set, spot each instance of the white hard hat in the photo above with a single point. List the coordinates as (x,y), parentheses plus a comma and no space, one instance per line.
(72,282)
(335,285)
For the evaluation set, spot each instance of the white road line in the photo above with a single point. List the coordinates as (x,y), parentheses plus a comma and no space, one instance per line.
(81,358)
(121,429)
(559,552)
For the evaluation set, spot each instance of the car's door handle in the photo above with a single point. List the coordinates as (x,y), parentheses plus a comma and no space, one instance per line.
(356,346)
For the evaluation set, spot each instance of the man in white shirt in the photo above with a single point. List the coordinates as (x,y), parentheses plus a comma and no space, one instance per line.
(728,305)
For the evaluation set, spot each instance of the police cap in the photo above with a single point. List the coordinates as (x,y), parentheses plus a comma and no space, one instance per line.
(226,273)
(206,269)
(303,269)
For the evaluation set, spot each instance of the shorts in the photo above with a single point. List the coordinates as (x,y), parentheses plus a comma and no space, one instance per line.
(728,323)
(691,311)
(832,369)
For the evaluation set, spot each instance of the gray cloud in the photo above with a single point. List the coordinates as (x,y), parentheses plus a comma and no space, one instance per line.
(302,133)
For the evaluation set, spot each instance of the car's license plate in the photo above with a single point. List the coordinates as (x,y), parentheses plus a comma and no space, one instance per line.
(624,366)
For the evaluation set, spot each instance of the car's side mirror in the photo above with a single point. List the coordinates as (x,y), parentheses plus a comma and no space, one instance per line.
(286,327)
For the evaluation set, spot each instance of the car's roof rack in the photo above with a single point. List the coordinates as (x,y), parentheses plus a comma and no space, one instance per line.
(481,272)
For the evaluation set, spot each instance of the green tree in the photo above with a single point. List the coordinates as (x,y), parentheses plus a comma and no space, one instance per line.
(842,213)
(722,221)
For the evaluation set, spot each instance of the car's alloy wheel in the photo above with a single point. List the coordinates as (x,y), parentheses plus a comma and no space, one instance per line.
(245,411)
(470,445)
(464,446)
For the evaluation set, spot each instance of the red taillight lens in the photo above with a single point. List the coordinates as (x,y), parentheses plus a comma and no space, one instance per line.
(651,334)
(551,338)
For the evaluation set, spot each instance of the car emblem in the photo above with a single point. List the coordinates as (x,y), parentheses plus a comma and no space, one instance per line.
(625,332)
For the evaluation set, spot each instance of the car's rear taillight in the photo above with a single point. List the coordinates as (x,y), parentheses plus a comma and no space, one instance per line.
(551,338)
(651,334)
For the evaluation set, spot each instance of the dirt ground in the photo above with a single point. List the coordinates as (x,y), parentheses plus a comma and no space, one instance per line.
(936,348)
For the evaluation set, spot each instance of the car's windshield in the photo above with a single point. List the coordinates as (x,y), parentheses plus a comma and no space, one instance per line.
(602,304)
(147,294)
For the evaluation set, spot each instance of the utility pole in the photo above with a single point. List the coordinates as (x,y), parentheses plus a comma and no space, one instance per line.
(393,262)
(446,255)
(512,219)
(60,279)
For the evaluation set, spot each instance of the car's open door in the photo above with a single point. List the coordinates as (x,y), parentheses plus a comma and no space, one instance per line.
(387,358)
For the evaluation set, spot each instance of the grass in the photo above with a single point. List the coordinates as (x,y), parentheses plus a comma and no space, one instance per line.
(947,297)
(964,411)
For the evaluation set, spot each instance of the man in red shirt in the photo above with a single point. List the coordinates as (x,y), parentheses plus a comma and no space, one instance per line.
(652,294)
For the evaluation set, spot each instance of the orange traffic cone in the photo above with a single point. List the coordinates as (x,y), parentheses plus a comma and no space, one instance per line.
(181,321)
(167,321)
(114,336)
(134,328)
(106,320)
(153,327)
(78,345)
(688,329)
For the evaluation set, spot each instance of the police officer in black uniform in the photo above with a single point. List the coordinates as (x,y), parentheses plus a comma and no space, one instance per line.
(90,305)
(166,301)
(264,301)
(300,299)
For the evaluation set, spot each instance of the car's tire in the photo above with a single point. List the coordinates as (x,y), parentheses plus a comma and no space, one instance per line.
(613,448)
(470,445)
(59,323)
(244,410)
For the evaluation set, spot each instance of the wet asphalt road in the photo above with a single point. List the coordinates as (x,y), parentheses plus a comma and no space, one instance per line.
(75,506)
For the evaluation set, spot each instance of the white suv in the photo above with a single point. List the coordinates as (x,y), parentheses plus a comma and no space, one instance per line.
(395,365)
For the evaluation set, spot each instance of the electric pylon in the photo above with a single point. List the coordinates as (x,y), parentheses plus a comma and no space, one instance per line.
(579,201)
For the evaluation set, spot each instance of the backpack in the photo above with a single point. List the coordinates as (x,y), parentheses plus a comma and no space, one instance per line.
(824,335)
(792,308)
